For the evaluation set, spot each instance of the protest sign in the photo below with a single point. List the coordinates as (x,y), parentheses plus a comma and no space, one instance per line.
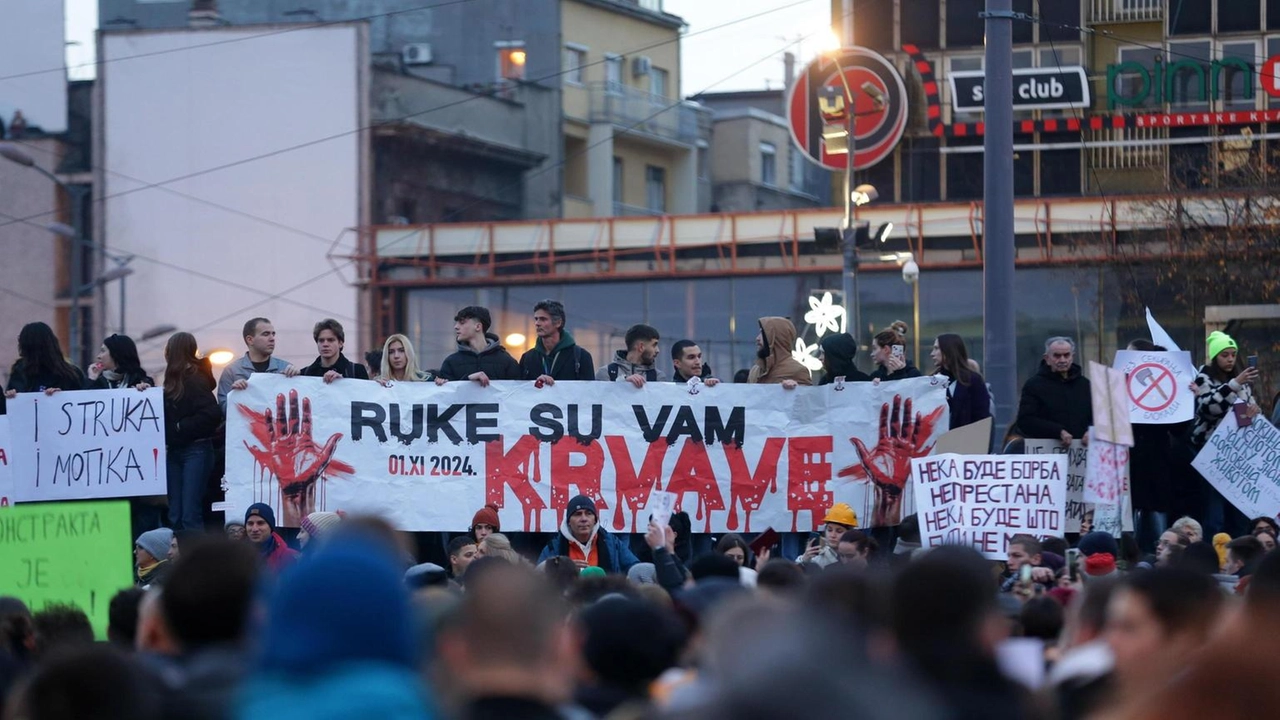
(1158,385)
(1105,473)
(984,500)
(971,439)
(69,552)
(1110,405)
(739,458)
(1243,463)
(6,468)
(1082,517)
(88,444)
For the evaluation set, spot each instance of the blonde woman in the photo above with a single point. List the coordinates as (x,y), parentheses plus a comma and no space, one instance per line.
(400,362)
(497,545)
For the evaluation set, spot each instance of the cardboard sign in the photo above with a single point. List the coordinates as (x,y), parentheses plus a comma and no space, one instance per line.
(6,467)
(88,444)
(738,458)
(1157,385)
(972,439)
(984,500)
(1243,463)
(70,552)
(1110,406)
(1085,517)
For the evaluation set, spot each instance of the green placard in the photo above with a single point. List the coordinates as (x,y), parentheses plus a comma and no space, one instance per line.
(67,552)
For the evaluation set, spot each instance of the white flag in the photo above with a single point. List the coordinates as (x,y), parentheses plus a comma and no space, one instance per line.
(1159,336)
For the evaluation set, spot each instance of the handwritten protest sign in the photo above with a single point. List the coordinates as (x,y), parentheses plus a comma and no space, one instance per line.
(71,552)
(88,445)
(1158,386)
(738,458)
(1243,463)
(1085,517)
(1110,405)
(1108,465)
(6,467)
(984,500)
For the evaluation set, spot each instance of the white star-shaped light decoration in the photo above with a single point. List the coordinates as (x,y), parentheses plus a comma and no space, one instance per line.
(824,316)
(805,355)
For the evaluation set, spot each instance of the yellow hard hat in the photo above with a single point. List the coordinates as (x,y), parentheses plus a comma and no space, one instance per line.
(842,514)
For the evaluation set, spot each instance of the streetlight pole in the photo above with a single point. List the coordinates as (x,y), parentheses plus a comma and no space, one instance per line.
(999,326)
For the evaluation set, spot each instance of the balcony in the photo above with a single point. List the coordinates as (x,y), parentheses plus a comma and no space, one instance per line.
(1126,11)
(636,111)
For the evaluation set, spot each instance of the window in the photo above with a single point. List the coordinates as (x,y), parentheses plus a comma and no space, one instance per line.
(613,74)
(575,60)
(1061,20)
(1187,74)
(1239,15)
(1138,87)
(1234,75)
(1023,32)
(617,179)
(796,171)
(921,23)
(655,186)
(1023,59)
(1273,14)
(768,164)
(1060,56)
(658,82)
(873,25)
(964,26)
(1190,17)
(511,60)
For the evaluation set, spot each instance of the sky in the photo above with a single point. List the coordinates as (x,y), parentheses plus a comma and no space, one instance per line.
(708,57)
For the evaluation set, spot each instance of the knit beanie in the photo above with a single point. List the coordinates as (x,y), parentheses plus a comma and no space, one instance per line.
(1220,545)
(487,515)
(1099,542)
(320,524)
(643,574)
(581,502)
(156,542)
(1218,341)
(233,521)
(263,511)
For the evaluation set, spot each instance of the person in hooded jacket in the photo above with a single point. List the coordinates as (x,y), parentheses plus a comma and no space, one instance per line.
(638,363)
(480,356)
(837,353)
(888,349)
(555,356)
(1056,402)
(584,541)
(117,366)
(774,364)
(191,419)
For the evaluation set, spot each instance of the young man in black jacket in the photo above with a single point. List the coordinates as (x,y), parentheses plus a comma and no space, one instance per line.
(556,356)
(480,356)
(332,364)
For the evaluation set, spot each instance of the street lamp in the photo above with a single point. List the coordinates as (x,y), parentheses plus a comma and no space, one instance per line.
(911,276)
(74,232)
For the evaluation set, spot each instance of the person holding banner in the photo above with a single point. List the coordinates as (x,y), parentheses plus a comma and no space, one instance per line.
(774,364)
(555,356)
(400,362)
(40,366)
(480,356)
(967,396)
(117,365)
(191,419)
(260,339)
(331,363)
(1218,388)
(837,352)
(637,364)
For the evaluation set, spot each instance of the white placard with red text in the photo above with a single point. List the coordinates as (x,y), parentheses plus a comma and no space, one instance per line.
(739,458)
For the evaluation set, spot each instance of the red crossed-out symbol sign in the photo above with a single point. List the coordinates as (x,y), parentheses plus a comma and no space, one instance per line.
(1152,387)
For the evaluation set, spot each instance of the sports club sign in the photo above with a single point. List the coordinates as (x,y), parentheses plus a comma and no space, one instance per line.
(878,126)
(739,458)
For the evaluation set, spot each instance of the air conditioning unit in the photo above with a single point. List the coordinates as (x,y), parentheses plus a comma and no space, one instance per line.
(416,54)
(640,66)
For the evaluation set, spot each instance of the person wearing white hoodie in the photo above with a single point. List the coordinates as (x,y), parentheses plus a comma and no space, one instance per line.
(583,541)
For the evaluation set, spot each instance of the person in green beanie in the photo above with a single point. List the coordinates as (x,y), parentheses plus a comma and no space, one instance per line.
(1221,384)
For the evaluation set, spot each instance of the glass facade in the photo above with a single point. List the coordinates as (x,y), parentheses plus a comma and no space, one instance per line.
(721,314)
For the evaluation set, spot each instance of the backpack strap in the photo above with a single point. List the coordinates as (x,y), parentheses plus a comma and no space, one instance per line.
(613,372)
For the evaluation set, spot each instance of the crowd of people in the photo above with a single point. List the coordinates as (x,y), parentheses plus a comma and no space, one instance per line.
(343,620)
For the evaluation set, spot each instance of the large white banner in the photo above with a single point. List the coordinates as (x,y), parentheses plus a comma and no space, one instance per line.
(738,457)
(1085,517)
(984,500)
(6,467)
(1243,463)
(87,444)
(1158,385)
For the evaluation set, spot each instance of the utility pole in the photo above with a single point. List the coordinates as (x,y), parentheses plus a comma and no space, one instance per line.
(999,326)
(848,236)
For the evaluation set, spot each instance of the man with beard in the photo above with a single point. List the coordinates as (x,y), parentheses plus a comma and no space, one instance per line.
(635,364)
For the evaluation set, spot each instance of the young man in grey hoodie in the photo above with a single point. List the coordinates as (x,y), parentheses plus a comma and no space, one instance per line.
(636,364)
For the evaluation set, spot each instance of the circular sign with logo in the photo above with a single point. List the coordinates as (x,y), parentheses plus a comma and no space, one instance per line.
(878,126)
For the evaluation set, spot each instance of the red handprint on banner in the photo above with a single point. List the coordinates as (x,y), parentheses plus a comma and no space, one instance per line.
(290,454)
(888,465)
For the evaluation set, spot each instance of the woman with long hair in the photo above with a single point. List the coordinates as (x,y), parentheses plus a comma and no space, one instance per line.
(889,350)
(191,418)
(967,395)
(117,366)
(41,367)
(400,362)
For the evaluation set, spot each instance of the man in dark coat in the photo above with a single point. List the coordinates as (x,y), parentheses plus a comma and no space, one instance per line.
(556,356)
(1056,401)
(480,356)
(331,364)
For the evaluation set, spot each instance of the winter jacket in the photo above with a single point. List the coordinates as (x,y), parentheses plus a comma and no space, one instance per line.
(1152,465)
(22,381)
(1213,401)
(566,361)
(706,373)
(240,369)
(201,685)
(840,350)
(612,553)
(194,416)
(493,360)
(344,367)
(907,371)
(621,369)
(780,339)
(127,380)
(155,575)
(355,689)
(1051,404)
(276,554)
(968,403)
